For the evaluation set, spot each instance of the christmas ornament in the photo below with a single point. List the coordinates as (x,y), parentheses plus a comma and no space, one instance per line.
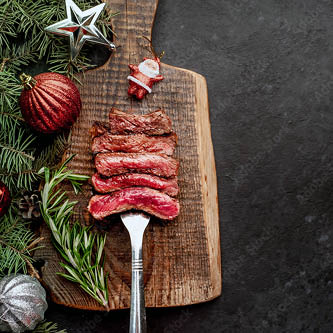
(80,27)
(29,205)
(50,102)
(22,303)
(5,199)
(143,77)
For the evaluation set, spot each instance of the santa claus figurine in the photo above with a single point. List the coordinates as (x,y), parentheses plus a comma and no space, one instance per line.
(143,77)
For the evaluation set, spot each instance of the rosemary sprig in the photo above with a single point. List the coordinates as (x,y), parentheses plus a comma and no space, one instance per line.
(75,243)
(47,327)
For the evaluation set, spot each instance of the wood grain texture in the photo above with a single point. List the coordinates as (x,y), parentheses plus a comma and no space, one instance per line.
(182,260)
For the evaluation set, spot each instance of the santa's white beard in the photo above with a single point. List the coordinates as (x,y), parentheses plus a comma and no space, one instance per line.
(144,69)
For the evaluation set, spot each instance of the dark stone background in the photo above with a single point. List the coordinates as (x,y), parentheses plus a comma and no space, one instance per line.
(269,67)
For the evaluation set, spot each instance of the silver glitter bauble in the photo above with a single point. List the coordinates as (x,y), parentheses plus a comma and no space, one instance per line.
(22,303)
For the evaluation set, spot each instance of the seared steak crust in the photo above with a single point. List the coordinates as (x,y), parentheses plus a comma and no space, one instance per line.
(136,143)
(98,128)
(140,198)
(109,164)
(106,185)
(154,123)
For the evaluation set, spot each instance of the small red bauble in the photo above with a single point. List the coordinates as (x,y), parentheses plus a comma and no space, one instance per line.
(143,77)
(5,199)
(50,102)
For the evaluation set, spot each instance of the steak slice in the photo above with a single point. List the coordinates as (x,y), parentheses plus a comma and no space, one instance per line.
(140,198)
(106,185)
(109,164)
(98,128)
(154,123)
(136,143)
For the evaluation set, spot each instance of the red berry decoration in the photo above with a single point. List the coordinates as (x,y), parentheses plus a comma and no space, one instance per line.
(5,199)
(50,102)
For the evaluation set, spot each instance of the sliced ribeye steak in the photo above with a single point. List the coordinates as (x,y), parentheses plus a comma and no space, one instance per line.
(154,123)
(115,183)
(109,164)
(98,128)
(136,143)
(139,198)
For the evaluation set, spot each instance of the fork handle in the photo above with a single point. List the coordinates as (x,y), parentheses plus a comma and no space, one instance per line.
(138,311)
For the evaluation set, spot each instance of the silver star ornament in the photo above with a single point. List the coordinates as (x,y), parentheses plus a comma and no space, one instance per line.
(80,27)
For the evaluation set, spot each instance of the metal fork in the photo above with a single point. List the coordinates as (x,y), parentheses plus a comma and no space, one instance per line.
(136,224)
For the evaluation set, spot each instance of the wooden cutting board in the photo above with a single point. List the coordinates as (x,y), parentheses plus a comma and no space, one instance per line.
(182,259)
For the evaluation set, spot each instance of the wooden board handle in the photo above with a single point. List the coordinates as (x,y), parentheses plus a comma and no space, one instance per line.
(135,19)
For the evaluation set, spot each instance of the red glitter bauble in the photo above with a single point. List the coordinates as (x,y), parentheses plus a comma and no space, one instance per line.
(50,102)
(5,199)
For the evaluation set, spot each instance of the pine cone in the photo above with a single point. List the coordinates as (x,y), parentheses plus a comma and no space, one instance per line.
(29,205)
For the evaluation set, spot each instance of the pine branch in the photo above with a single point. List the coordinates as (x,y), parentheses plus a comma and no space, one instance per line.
(76,243)
(16,158)
(60,62)
(8,20)
(10,89)
(17,181)
(10,118)
(16,151)
(52,153)
(104,24)
(17,57)
(23,176)
(15,238)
